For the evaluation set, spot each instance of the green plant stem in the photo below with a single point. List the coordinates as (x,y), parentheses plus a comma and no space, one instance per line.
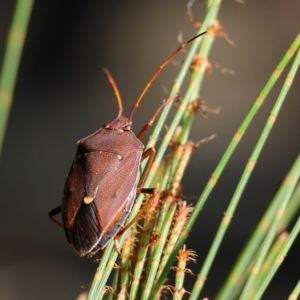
(101,274)
(183,211)
(13,51)
(209,19)
(114,284)
(291,210)
(230,149)
(271,120)
(240,272)
(296,292)
(292,237)
(145,242)
(179,279)
(212,13)
(159,248)
(292,180)
(271,258)
(242,184)
(125,266)
(240,132)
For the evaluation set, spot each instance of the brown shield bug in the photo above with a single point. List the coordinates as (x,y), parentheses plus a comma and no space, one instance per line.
(102,183)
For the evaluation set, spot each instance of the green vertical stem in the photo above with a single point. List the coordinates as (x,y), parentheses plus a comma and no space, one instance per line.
(210,17)
(230,149)
(101,275)
(243,181)
(291,210)
(292,237)
(296,292)
(241,131)
(125,267)
(177,228)
(145,242)
(212,12)
(159,247)
(274,113)
(114,284)
(240,272)
(179,291)
(271,258)
(13,51)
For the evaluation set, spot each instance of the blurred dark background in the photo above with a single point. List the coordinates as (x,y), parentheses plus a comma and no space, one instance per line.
(60,98)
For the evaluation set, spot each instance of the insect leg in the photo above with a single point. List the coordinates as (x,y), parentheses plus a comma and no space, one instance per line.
(150,123)
(153,199)
(151,153)
(54,212)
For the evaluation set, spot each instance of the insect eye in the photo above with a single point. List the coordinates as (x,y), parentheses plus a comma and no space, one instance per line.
(127,127)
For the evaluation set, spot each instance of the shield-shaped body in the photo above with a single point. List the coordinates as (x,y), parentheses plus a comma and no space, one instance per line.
(101,186)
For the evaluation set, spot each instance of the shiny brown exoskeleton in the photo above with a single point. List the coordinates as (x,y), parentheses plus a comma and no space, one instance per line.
(103,180)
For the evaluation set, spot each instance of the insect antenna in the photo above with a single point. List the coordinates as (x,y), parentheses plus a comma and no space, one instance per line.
(156,73)
(114,88)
